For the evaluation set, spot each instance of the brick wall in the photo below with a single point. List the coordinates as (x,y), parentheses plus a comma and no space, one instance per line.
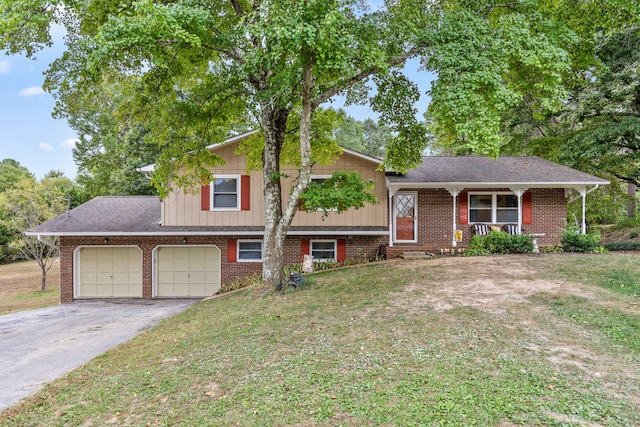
(435,220)
(230,271)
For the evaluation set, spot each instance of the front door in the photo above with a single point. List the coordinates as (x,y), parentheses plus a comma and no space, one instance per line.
(405,217)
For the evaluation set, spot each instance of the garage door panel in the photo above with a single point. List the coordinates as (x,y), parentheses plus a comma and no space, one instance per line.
(181,265)
(198,289)
(181,277)
(89,290)
(120,265)
(120,290)
(135,277)
(197,277)
(104,290)
(181,289)
(198,265)
(104,265)
(87,277)
(187,271)
(120,277)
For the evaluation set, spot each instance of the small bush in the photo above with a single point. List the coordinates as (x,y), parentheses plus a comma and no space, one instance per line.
(623,246)
(242,282)
(499,242)
(477,246)
(633,234)
(573,241)
(359,258)
(325,265)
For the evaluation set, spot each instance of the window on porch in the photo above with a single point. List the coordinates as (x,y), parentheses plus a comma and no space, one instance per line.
(493,208)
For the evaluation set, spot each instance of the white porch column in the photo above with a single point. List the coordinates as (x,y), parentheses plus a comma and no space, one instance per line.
(519,191)
(583,193)
(454,191)
(392,192)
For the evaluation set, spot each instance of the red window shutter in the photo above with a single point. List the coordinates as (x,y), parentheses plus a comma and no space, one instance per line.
(527,208)
(231,250)
(205,197)
(463,208)
(341,251)
(245,192)
(305,247)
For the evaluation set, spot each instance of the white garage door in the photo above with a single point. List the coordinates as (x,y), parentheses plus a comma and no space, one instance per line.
(187,271)
(110,272)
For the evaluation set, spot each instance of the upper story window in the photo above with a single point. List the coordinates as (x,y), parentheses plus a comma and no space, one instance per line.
(319,179)
(493,208)
(225,193)
(249,250)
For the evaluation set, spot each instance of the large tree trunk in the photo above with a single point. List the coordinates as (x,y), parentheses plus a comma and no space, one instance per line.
(277,220)
(631,207)
(274,126)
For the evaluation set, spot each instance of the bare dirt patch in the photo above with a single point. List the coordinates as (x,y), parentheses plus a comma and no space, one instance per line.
(503,286)
(486,283)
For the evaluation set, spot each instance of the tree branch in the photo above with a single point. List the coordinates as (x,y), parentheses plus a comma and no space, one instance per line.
(323,97)
(237,8)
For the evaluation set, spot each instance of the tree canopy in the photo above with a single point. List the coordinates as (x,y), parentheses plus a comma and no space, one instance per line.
(196,70)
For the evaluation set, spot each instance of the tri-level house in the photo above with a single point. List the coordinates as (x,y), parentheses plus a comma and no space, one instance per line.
(189,245)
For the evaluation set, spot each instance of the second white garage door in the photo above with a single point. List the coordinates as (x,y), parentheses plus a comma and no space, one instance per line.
(187,271)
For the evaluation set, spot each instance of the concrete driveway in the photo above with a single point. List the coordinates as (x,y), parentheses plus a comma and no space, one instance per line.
(38,346)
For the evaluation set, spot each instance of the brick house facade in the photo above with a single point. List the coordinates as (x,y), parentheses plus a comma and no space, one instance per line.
(185,246)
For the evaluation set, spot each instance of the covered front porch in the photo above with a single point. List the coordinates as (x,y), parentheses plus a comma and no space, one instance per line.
(444,218)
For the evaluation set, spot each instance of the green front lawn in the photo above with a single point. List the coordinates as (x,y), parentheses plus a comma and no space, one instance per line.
(391,343)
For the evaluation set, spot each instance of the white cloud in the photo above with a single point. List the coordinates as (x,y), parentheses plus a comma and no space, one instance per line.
(4,66)
(31,91)
(69,144)
(43,146)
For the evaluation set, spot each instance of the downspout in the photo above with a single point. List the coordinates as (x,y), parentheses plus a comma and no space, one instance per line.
(583,193)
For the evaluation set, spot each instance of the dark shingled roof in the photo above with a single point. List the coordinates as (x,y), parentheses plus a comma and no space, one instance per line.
(477,171)
(133,214)
(140,215)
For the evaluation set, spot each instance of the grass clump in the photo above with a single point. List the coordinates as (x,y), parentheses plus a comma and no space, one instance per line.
(622,328)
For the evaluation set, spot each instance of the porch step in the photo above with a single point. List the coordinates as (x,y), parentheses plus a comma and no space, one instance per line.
(415,255)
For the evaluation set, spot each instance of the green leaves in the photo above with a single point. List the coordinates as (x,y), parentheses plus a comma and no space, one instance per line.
(342,191)
(487,64)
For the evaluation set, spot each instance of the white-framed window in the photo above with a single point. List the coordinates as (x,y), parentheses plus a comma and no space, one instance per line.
(324,250)
(249,250)
(225,193)
(493,208)
(319,179)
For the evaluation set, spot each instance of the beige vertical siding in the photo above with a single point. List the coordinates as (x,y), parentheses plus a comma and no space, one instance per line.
(370,215)
(181,209)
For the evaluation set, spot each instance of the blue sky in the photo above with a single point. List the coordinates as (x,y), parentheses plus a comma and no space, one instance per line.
(30,135)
